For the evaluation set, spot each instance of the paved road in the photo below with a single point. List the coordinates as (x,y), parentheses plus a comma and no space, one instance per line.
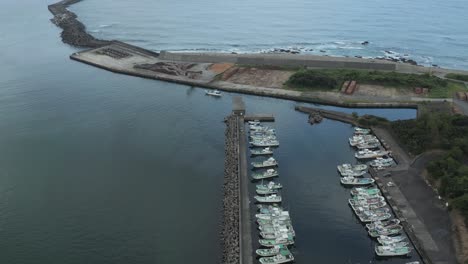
(429,209)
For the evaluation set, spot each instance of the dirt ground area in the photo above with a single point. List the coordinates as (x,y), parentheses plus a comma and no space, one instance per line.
(220,67)
(259,77)
(461,236)
(378,90)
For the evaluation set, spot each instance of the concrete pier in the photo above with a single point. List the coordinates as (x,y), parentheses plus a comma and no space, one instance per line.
(334,115)
(260,117)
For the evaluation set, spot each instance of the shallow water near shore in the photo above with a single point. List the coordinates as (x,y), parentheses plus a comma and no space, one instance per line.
(97,167)
(430,32)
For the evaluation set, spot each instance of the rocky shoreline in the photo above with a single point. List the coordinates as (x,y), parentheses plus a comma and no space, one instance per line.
(231,222)
(74,32)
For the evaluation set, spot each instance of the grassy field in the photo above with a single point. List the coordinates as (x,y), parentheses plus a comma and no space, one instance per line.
(447,92)
(460,77)
(332,80)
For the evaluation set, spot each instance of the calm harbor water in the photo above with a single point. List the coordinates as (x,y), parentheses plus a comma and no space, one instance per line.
(97,167)
(428,31)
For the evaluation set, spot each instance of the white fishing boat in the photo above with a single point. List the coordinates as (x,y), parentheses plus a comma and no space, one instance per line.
(354,140)
(268,198)
(387,231)
(261,152)
(356,181)
(270,173)
(267,252)
(346,166)
(361,131)
(370,154)
(265,143)
(368,145)
(277,259)
(388,240)
(270,162)
(366,200)
(383,224)
(254,122)
(283,240)
(388,251)
(215,93)
(353,173)
(278,215)
(270,185)
(382,162)
(357,191)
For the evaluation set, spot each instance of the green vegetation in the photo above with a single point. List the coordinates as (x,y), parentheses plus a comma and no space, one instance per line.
(333,78)
(371,120)
(447,92)
(441,131)
(456,76)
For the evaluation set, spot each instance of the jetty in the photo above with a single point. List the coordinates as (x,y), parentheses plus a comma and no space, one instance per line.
(236,233)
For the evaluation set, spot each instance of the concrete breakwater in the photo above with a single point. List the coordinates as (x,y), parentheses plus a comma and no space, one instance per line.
(230,237)
(74,32)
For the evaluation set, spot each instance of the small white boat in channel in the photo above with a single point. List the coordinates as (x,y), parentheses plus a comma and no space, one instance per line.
(215,93)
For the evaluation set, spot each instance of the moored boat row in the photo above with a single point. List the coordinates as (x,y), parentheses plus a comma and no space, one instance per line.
(366,199)
(274,223)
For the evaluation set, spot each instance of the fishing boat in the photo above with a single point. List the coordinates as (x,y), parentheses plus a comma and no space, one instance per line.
(367,206)
(259,130)
(353,173)
(388,240)
(276,234)
(259,152)
(283,240)
(277,228)
(370,154)
(270,162)
(382,162)
(277,259)
(368,145)
(275,215)
(394,230)
(370,206)
(384,224)
(270,173)
(268,208)
(365,191)
(273,198)
(265,225)
(387,251)
(353,141)
(265,143)
(346,167)
(267,252)
(371,215)
(266,191)
(361,131)
(215,93)
(270,185)
(356,200)
(254,122)
(356,181)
